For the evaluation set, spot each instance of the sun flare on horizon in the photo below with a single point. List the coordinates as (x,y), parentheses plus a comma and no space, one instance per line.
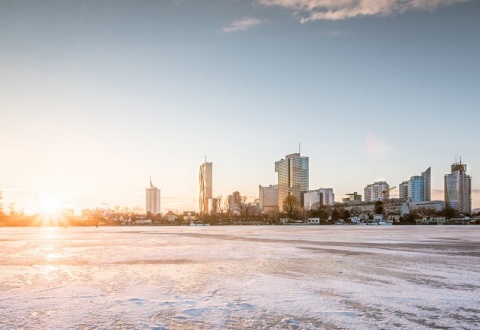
(51,206)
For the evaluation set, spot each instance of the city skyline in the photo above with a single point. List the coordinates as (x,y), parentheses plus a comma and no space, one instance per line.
(97,96)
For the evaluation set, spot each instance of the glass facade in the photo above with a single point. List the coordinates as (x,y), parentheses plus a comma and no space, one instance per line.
(153,199)
(293,175)
(458,189)
(415,189)
(205,185)
(418,188)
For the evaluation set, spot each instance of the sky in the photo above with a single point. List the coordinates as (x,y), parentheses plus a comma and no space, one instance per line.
(96,97)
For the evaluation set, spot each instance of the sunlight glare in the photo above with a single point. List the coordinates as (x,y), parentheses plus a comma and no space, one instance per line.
(51,206)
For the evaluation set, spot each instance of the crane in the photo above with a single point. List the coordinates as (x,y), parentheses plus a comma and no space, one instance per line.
(384,195)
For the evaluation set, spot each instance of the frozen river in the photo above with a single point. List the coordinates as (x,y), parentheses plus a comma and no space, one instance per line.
(244,277)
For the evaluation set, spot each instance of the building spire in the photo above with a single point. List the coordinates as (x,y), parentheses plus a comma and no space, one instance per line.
(151,185)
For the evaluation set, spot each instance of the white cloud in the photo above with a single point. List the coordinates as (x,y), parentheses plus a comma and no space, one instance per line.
(241,25)
(376,147)
(312,10)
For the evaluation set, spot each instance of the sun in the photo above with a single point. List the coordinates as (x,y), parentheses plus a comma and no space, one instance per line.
(51,206)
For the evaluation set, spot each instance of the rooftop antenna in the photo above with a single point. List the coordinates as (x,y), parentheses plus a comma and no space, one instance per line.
(205,158)
(299,148)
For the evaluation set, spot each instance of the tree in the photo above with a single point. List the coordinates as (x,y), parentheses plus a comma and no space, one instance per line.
(346,215)
(323,214)
(220,204)
(1,205)
(448,212)
(316,206)
(335,215)
(379,207)
(12,209)
(290,206)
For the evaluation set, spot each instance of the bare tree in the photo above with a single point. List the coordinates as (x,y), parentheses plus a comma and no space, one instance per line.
(227,206)
(219,204)
(11,208)
(1,204)
(290,206)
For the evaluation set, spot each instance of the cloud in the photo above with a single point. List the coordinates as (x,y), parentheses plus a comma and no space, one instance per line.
(313,10)
(376,147)
(241,25)
(12,189)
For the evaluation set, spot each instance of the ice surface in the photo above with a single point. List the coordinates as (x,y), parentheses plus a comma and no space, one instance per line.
(243,277)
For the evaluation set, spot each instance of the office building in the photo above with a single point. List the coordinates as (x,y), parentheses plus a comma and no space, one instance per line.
(352,198)
(373,192)
(458,189)
(153,199)
(403,191)
(419,187)
(268,198)
(292,178)
(212,206)
(234,203)
(315,199)
(205,185)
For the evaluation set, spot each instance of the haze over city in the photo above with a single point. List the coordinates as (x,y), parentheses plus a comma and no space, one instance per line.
(96,97)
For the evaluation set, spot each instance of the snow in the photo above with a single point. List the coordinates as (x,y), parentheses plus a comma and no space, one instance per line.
(239,277)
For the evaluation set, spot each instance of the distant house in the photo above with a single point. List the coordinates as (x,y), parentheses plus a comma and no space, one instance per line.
(170,216)
(313,221)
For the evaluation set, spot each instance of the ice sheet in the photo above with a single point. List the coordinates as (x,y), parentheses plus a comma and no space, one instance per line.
(276,277)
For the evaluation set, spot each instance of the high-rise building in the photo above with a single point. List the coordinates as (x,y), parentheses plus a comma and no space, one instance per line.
(373,192)
(427,184)
(268,198)
(235,203)
(205,183)
(403,190)
(153,199)
(418,188)
(458,188)
(313,199)
(292,177)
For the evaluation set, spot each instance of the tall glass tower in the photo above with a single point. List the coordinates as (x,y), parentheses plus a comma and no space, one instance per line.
(205,184)
(458,188)
(419,187)
(292,178)
(153,199)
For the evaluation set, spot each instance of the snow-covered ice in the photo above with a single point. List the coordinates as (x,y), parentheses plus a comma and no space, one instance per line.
(242,277)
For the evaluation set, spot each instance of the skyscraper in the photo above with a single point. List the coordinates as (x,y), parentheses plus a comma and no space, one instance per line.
(458,189)
(153,199)
(427,184)
(205,184)
(292,178)
(403,191)
(418,188)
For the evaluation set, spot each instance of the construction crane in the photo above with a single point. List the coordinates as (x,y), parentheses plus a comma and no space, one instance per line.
(384,195)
